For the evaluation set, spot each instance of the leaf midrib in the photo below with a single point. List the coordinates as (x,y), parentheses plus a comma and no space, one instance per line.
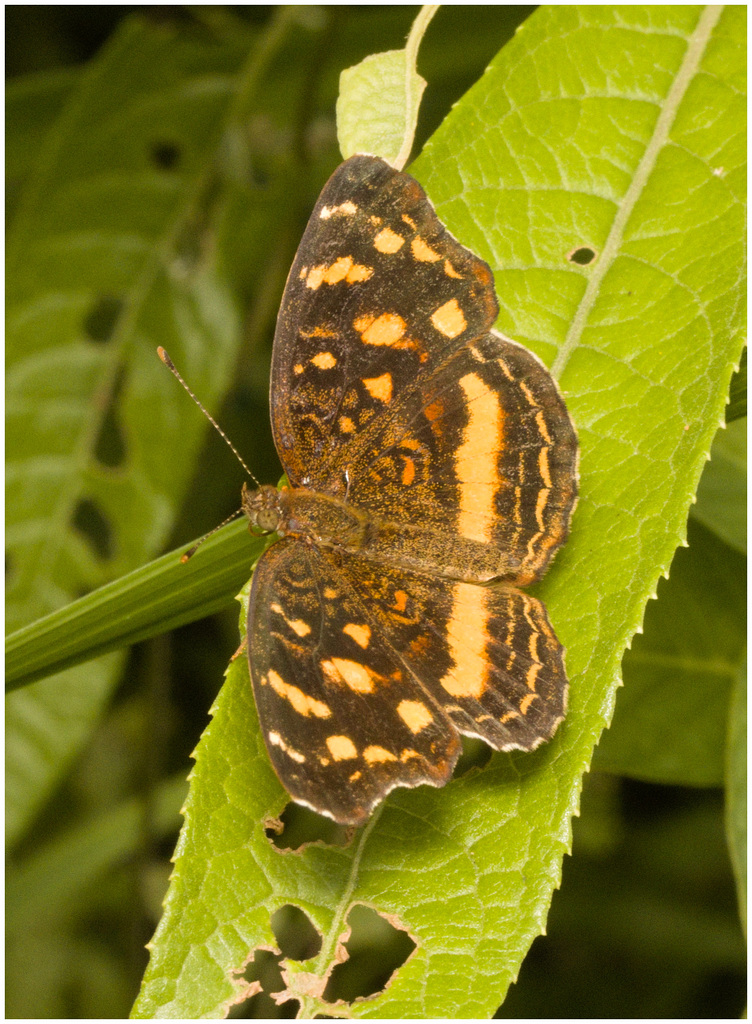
(310,1004)
(692,666)
(695,51)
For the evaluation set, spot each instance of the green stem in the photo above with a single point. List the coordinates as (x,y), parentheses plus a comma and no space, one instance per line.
(414,39)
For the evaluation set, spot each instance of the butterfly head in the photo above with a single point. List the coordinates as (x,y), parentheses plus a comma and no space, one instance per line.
(261,506)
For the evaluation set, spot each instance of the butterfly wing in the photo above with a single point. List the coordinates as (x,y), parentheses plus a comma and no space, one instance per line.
(483,450)
(378,292)
(389,390)
(364,675)
(487,655)
(336,704)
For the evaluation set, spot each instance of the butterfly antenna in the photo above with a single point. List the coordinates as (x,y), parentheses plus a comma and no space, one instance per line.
(192,551)
(171,367)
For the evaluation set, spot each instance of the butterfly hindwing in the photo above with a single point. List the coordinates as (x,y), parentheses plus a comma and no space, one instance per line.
(358,690)
(343,719)
(487,655)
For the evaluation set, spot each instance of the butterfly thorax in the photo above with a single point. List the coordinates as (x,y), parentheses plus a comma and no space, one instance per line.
(299,512)
(331,522)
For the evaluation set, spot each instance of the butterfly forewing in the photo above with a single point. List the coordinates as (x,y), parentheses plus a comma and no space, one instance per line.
(379,292)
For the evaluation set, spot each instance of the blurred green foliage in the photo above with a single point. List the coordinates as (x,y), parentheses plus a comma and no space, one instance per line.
(646,923)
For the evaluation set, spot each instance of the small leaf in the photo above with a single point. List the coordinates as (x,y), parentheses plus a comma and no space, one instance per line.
(379,99)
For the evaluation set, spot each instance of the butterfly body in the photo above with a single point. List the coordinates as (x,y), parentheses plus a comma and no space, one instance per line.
(432,468)
(317,518)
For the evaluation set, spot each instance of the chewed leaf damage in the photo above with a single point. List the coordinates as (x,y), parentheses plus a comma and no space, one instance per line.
(365,957)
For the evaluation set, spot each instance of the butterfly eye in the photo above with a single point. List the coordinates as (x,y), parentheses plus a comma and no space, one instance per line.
(267,519)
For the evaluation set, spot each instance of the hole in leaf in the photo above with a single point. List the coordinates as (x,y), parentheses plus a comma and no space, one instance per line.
(101,320)
(475,754)
(582,256)
(300,827)
(295,933)
(265,969)
(110,447)
(165,155)
(376,950)
(93,524)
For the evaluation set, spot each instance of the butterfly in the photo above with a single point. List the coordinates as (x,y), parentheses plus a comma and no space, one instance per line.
(432,469)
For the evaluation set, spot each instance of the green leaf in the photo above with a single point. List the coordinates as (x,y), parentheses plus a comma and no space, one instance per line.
(45,893)
(647,887)
(107,257)
(50,883)
(650,892)
(637,154)
(671,717)
(377,108)
(736,787)
(722,494)
(32,106)
(45,726)
(152,600)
